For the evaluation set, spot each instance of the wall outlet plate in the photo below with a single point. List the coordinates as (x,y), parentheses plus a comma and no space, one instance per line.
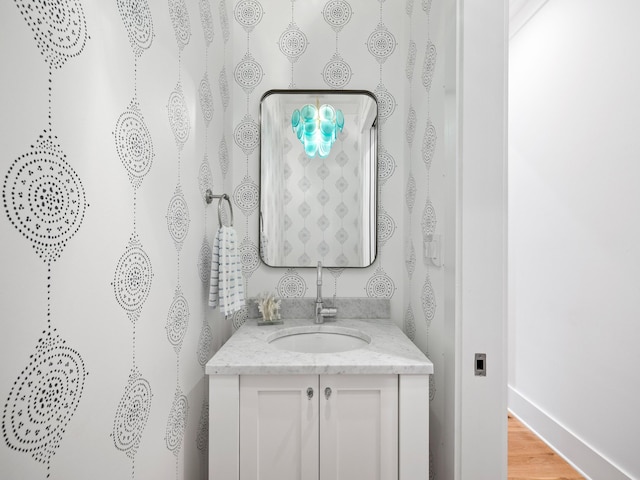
(480,365)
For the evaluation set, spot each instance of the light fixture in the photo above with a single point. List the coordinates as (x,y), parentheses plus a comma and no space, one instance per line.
(317,127)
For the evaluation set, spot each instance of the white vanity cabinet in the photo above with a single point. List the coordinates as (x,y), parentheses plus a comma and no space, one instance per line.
(347,425)
(279,427)
(282,414)
(358,426)
(319,427)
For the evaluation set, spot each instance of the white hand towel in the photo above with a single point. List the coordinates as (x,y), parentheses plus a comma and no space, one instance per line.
(227,289)
(214,283)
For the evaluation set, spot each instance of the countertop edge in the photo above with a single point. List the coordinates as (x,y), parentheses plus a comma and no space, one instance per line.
(319,370)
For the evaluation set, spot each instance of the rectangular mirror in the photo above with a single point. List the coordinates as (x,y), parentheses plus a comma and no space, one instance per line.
(318,178)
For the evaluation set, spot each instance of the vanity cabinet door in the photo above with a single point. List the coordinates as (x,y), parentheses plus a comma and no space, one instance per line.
(279,427)
(359,427)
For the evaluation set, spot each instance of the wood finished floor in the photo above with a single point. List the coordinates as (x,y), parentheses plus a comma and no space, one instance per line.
(531,459)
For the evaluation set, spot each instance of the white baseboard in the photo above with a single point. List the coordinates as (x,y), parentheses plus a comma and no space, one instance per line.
(581,456)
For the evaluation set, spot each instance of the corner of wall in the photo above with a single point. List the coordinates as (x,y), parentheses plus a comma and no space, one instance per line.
(582,456)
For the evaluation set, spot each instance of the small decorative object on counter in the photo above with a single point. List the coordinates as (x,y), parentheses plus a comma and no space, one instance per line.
(269,307)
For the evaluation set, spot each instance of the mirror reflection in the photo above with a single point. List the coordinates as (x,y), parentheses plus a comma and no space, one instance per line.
(318,172)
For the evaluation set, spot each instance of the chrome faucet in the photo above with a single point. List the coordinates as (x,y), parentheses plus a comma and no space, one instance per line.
(321,310)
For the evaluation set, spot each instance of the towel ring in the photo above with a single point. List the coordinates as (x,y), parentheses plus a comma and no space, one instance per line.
(209,196)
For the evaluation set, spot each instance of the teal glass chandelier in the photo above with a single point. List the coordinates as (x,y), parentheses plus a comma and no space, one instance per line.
(317,128)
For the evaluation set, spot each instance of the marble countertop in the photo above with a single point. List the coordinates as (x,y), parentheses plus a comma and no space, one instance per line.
(248,351)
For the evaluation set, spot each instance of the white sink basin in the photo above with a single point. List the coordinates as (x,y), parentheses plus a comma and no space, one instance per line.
(319,339)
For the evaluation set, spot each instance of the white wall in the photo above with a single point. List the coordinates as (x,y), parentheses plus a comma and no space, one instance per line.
(481,239)
(574,229)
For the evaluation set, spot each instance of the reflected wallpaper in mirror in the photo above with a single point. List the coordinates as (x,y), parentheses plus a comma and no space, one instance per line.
(320,207)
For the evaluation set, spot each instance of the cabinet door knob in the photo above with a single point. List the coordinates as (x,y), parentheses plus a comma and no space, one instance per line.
(327,393)
(309,393)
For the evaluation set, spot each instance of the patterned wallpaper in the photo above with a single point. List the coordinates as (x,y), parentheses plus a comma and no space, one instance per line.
(390,48)
(335,45)
(111,112)
(121,114)
(424,198)
(133,276)
(45,200)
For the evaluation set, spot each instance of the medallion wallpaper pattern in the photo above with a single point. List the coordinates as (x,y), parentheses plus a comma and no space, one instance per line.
(112,144)
(121,115)
(44,199)
(307,47)
(133,276)
(423,315)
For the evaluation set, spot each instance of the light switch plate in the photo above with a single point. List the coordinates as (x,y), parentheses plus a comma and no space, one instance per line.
(432,250)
